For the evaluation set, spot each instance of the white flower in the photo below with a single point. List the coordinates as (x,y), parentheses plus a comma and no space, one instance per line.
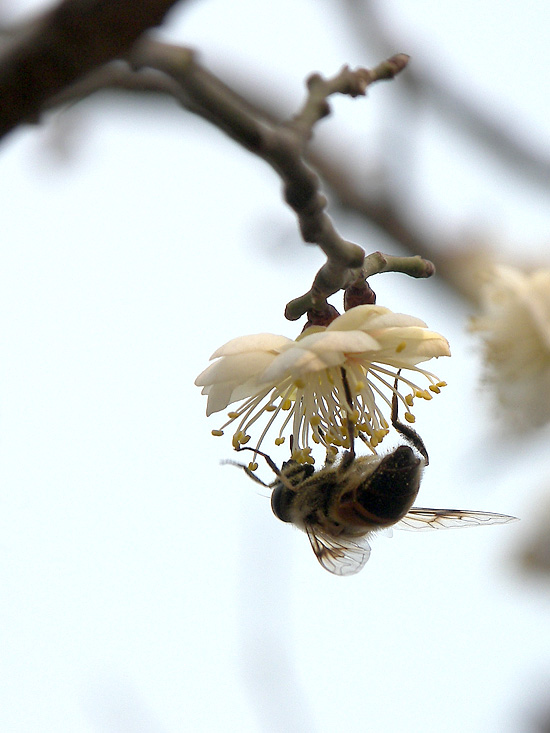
(314,384)
(515,327)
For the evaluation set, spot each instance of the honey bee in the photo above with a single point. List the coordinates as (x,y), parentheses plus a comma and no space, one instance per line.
(342,504)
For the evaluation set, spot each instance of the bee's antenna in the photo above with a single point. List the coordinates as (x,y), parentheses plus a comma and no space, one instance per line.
(409,433)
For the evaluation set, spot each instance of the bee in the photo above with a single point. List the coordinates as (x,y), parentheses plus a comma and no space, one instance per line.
(342,504)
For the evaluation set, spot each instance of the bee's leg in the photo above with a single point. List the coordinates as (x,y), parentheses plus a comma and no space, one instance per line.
(349,456)
(270,462)
(406,430)
(247,471)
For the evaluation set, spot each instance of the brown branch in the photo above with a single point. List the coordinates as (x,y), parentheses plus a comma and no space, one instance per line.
(63,45)
(281,145)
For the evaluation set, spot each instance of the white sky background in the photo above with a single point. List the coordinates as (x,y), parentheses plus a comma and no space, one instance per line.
(145,587)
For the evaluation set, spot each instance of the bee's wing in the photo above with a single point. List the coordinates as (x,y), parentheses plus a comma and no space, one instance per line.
(337,555)
(420,518)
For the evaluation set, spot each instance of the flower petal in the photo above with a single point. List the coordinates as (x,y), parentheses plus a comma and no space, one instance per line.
(410,346)
(235,369)
(368,317)
(255,342)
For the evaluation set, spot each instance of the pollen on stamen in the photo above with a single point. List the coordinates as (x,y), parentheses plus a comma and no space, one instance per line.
(279,441)
(217,433)
(434,388)
(302,456)
(239,438)
(232,415)
(270,408)
(441,384)
(286,404)
(252,466)
(409,417)
(423,394)
(401,347)
(299,383)
(314,421)
(409,399)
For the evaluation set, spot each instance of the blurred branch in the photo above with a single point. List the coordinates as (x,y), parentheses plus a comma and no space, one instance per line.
(64,44)
(422,84)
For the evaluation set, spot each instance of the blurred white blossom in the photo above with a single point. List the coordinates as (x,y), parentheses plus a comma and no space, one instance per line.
(312,385)
(514,324)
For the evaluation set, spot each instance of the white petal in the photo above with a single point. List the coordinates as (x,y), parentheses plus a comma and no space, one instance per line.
(297,362)
(269,342)
(219,396)
(235,369)
(357,319)
(411,345)
(351,342)
(369,317)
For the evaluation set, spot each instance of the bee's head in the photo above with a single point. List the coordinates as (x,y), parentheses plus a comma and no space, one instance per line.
(284,491)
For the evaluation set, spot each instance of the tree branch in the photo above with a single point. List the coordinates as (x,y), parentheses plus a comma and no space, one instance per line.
(63,45)
(279,144)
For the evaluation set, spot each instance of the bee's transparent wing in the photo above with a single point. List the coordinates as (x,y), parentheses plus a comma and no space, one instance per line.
(420,518)
(337,555)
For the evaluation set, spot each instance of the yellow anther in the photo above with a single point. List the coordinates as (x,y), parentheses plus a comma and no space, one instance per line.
(270,408)
(279,441)
(299,383)
(314,421)
(232,415)
(252,466)
(315,438)
(353,416)
(380,435)
(434,388)
(217,433)
(426,395)
(287,404)
(409,399)
(442,384)
(409,417)
(384,424)
(401,347)
(359,386)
